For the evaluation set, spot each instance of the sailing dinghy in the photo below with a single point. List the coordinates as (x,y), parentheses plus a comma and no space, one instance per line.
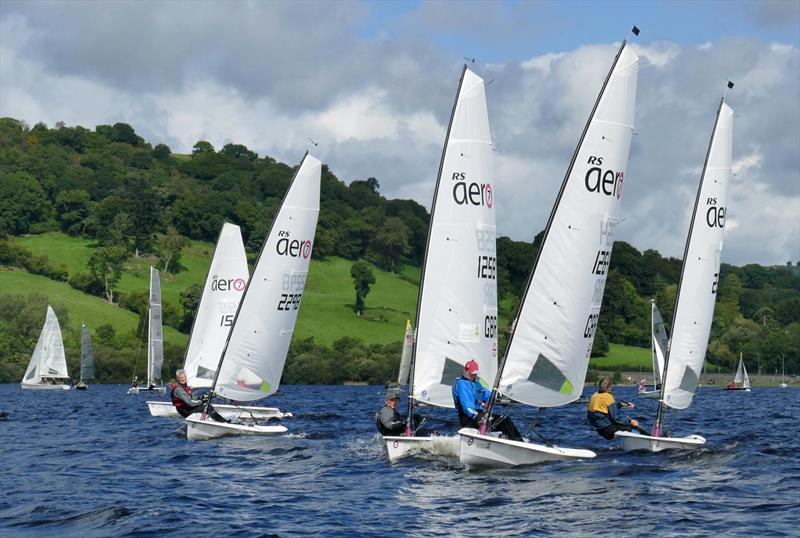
(254,353)
(741,381)
(659,340)
(697,291)
(548,352)
(87,358)
(48,363)
(457,305)
(155,339)
(225,282)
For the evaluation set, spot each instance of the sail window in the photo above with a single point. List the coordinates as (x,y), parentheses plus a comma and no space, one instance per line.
(547,374)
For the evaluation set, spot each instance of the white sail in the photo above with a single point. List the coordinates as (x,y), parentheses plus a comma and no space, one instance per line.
(87,354)
(457,311)
(548,354)
(48,360)
(739,377)
(659,343)
(225,284)
(405,355)
(697,290)
(745,377)
(155,337)
(259,340)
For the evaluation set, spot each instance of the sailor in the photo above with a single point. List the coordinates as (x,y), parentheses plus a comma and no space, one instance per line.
(602,414)
(181,396)
(135,382)
(471,399)
(388,420)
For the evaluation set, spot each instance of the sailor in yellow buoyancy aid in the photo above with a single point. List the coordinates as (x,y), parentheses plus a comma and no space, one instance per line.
(602,414)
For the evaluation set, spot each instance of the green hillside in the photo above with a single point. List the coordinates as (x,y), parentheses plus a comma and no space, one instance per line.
(80,306)
(326,314)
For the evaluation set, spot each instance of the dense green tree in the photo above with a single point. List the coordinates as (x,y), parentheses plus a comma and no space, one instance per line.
(23,203)
(105,265)
(73,208)
(363,278)
(389,243)
(170,246)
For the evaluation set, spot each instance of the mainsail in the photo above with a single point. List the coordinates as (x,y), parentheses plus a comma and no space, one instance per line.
(741,375)
(457,307)
(87,355)
(225,284)
(548,353)
(155,337)
(660,341)
(48,360)
(697,288)
(405,355)
(253,359)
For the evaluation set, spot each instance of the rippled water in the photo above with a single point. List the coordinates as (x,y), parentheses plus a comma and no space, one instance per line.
(95,463)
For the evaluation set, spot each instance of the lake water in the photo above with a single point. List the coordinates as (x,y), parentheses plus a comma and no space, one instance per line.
(95,463)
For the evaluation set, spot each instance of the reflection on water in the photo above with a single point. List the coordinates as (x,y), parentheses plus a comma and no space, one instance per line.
(95,463)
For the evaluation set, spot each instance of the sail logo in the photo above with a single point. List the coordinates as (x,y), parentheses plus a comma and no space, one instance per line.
(293,248)
(228,284)
(607,182)
(473,193)
(715,216)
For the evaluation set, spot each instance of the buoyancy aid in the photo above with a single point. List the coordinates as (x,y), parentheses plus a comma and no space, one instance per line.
(177,402)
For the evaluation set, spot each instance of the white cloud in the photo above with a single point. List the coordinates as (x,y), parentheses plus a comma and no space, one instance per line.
(379,107)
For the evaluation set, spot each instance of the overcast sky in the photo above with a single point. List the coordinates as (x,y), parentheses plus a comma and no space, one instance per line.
(373,84)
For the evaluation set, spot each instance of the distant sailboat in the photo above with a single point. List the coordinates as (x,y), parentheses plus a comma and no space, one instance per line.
(547,355)
(783,384)
(697,291)
(87,358)
(659,341)
(48,362)
(457,304)
(224,286)
(405,355)
(155,339)
(252,360)
(741,381)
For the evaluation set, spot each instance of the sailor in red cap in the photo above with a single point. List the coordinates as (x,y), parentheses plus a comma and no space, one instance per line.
(471,398)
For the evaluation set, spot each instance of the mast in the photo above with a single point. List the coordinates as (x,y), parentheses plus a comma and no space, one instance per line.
(486,425)
(150,332)
(659,414)
(247,288)
(410,419)
(653,342)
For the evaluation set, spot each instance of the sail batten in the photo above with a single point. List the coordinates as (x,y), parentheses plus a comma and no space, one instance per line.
(457,310)
(548,352)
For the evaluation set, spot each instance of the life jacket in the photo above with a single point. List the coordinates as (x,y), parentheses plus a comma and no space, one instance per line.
(464,420)
(177,402)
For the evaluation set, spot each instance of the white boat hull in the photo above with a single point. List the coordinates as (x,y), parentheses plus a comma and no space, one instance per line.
(202,430)
(649,394)
(740,389)
(141,390)
(44,386)
(478,450)
(161,408)
(399,447)
(636,441)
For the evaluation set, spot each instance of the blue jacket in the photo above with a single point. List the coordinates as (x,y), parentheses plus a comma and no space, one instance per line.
(469,395)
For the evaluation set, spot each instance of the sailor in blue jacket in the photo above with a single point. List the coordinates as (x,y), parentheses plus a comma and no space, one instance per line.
(471,398)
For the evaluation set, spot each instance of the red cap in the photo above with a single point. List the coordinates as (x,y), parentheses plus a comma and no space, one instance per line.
(471,367)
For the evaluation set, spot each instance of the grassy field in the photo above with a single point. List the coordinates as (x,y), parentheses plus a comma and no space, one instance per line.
(80,306)
(622,356)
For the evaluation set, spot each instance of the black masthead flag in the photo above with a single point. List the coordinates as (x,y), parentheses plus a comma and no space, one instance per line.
(730,85)
(635,30)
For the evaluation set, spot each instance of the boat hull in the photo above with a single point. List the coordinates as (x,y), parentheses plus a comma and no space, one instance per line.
(635,441)
(649,394)
(399,447)
(44,386)
(478,450)
(146,390)
(203,430)
(161,408)
(740,389)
